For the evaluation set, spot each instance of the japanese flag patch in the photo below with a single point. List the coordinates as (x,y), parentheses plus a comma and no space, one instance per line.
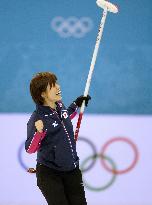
(65,115)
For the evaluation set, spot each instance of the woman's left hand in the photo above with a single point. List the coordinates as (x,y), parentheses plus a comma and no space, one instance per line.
(80,100)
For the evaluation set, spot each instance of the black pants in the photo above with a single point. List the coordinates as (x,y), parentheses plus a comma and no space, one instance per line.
(61,188)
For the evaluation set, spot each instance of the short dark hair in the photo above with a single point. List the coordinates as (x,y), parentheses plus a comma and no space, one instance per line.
(39,84)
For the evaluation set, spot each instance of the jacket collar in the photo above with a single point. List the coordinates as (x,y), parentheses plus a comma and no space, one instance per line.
(47,109)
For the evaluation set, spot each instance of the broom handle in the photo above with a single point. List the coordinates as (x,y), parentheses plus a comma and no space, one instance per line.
(94,57)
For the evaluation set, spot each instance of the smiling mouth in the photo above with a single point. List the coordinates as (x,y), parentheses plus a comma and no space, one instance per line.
(59,93)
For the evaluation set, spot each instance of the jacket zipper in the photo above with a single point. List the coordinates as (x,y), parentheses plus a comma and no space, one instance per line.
(66,132)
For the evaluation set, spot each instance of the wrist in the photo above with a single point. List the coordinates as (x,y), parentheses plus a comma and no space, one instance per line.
(40,131)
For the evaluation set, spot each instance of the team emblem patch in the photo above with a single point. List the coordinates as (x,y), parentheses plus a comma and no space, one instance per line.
(55,124)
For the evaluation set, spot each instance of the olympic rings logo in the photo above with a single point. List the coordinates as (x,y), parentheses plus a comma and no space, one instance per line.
(106,161)
(72,26)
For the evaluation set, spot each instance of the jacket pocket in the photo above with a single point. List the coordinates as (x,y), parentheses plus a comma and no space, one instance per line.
(47,153)
(62,156)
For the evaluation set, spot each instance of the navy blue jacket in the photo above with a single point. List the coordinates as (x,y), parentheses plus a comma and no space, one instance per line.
(55,146)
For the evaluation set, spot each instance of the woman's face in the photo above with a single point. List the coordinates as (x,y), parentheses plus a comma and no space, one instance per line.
(52,94)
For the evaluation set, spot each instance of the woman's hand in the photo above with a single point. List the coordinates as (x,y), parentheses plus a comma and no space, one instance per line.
(39,125)
(80,100)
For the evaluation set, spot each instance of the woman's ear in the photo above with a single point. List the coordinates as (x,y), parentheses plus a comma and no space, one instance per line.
(42,95)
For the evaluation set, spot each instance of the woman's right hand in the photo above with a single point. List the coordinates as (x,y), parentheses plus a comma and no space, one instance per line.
(39,125)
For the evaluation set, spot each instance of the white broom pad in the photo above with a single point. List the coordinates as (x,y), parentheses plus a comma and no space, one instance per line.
(107,5)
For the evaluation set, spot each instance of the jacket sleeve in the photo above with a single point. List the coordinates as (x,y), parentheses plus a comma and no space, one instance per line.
(34,137)
(72,110)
